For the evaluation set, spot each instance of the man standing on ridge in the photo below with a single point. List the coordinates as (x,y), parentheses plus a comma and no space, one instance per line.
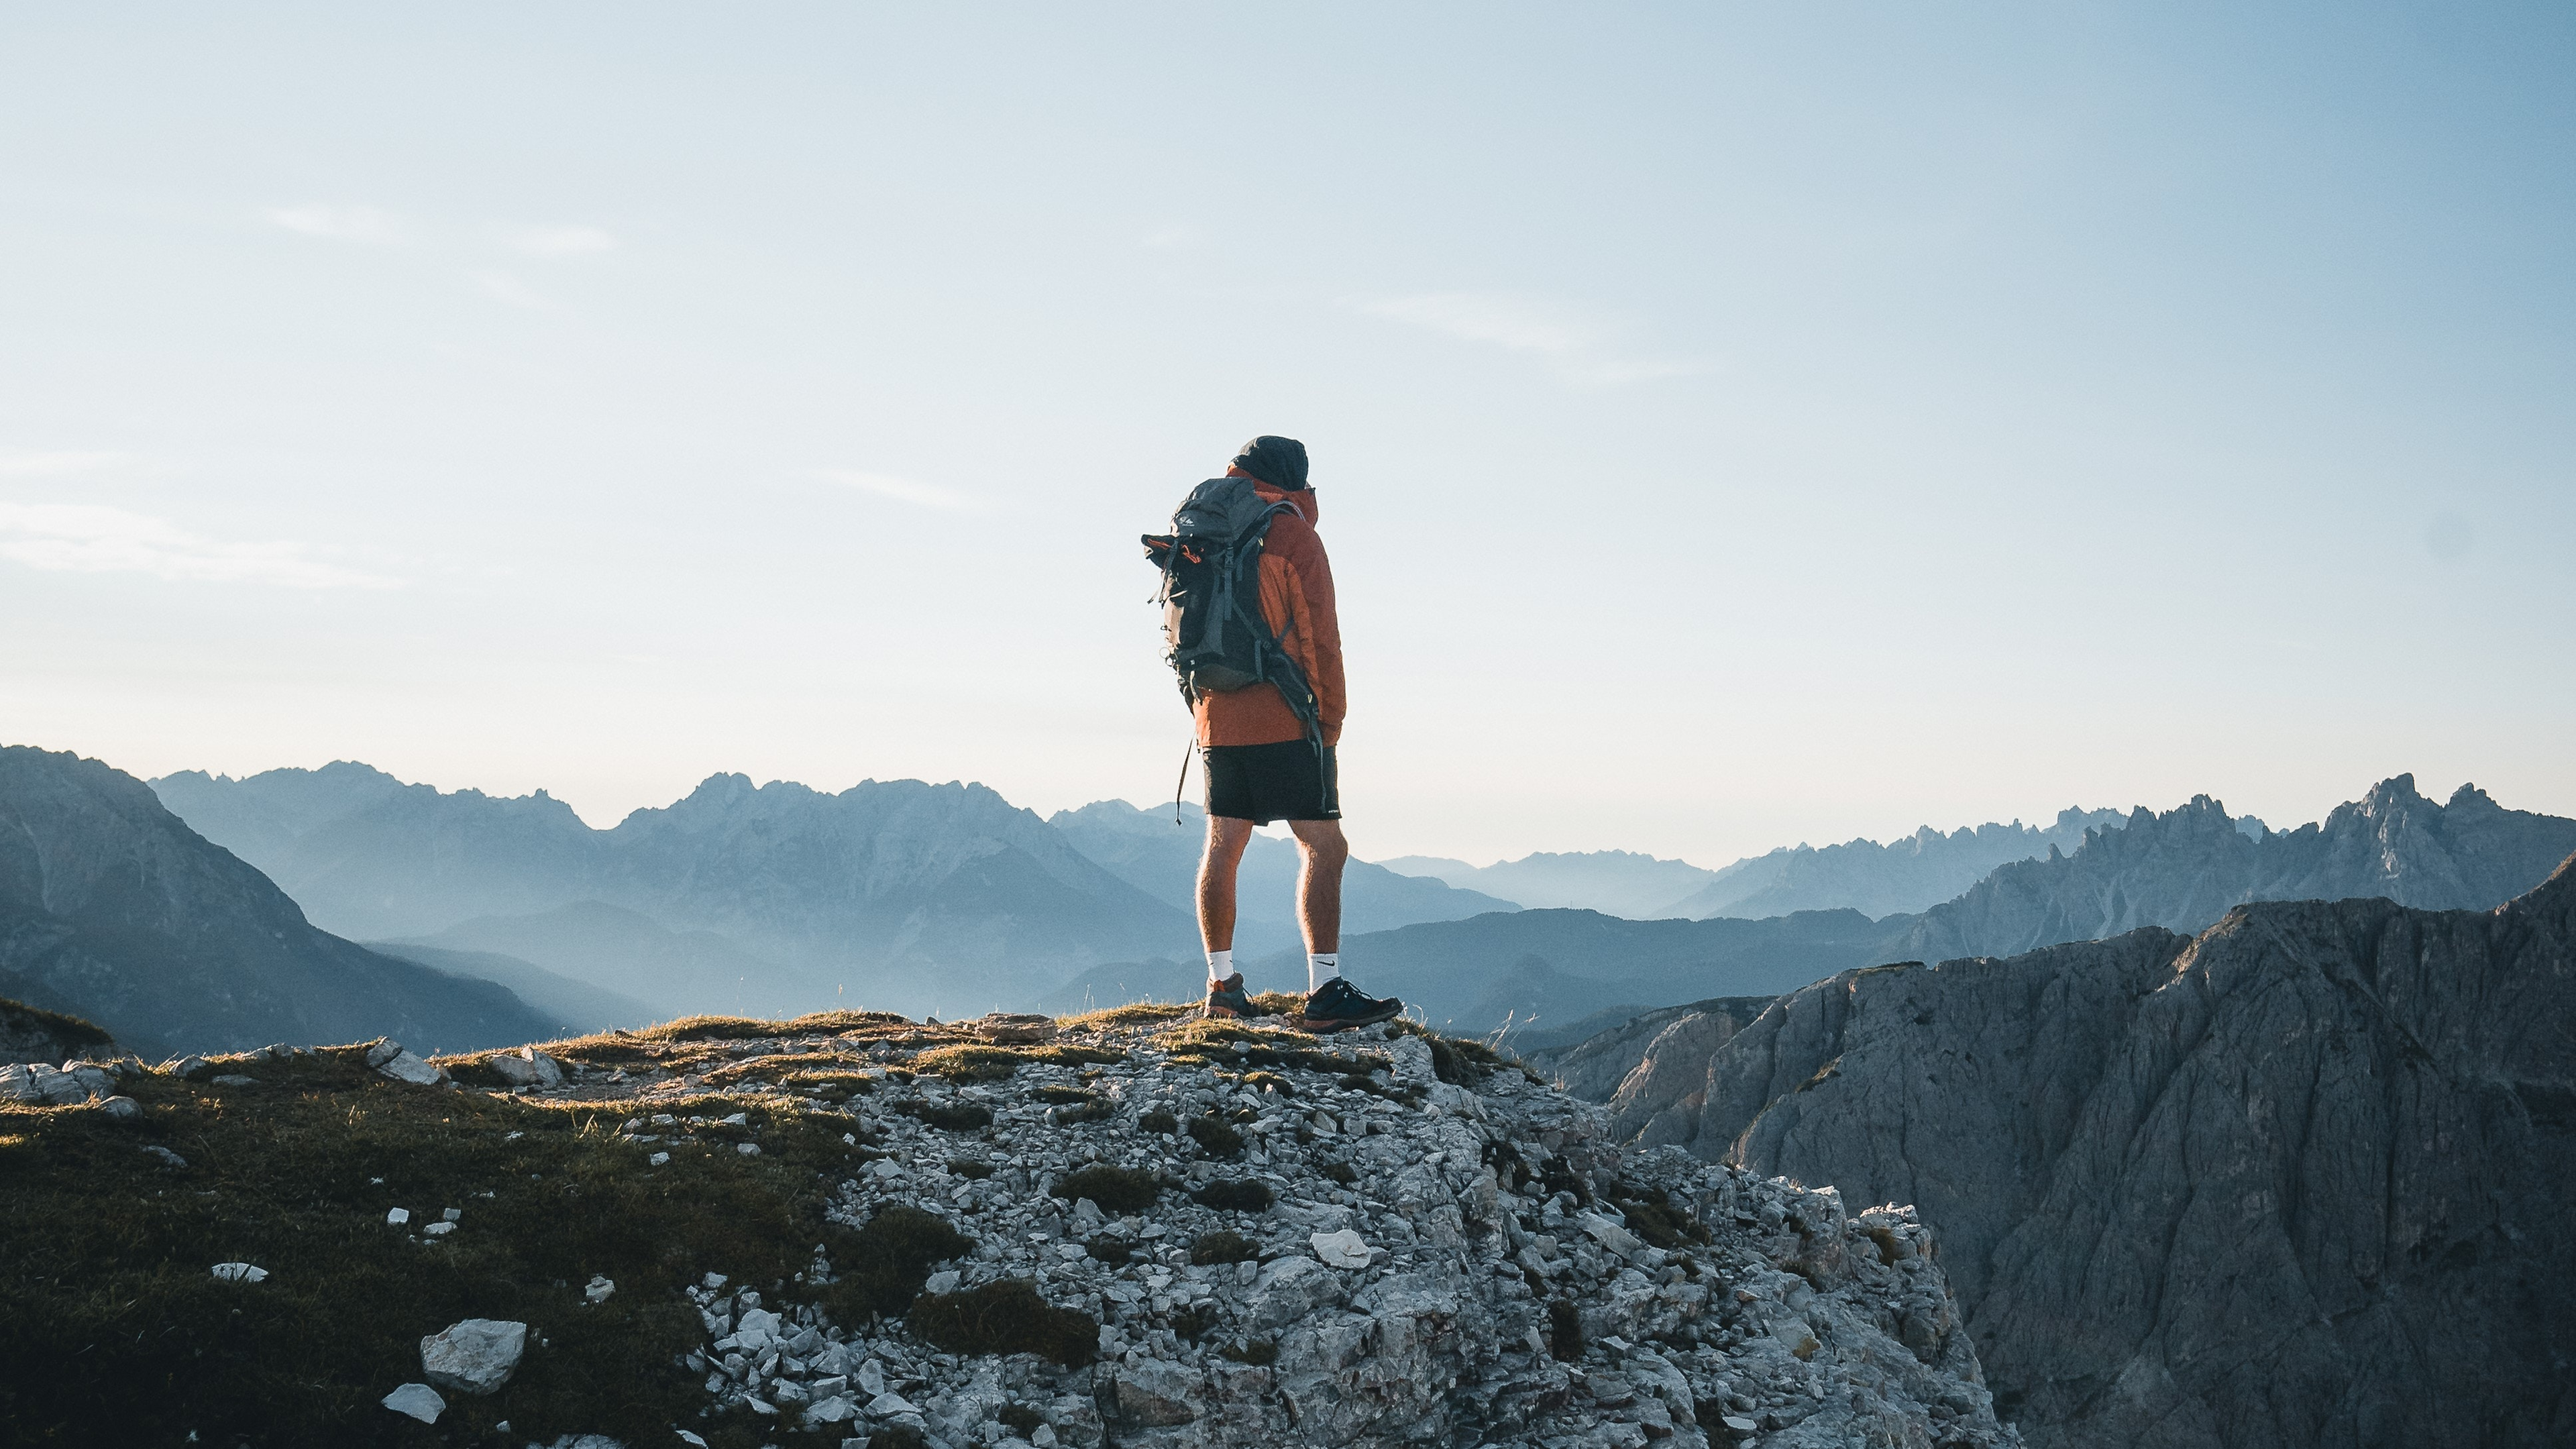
(1262,766)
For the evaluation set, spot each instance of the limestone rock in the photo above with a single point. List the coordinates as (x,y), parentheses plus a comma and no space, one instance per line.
(240,1273)
(476,1356)
(402,1066)
(1013,1027)
(1344,1249)
(420,1401)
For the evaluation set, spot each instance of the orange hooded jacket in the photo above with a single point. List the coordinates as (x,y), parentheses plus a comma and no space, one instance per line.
(1297,599)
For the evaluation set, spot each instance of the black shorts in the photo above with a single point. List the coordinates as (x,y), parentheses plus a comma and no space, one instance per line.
(1262,783)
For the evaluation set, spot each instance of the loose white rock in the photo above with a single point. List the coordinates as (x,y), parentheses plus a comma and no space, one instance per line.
(402,1066)
(167,1157)
(747,1149)
(420,1401)
(943,1281)
(1345,1249)
(120,1109)
(659,1159)
(379,1054)
(886,1406)
(398,1216)
(437,1230)
(598,1289)
(240,1273)
(476,1356)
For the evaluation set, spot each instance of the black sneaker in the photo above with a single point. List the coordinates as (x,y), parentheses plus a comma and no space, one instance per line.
(1228,998)
(1337,1005)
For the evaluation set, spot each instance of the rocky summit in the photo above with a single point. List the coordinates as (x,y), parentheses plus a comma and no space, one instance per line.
(1136,1227)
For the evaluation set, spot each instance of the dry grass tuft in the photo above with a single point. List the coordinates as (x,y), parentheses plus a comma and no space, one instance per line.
(1006,1317)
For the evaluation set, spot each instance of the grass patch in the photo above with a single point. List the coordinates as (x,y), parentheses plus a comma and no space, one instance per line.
(1215,1138)
(1189,1324)
(1159,1122)
(1005,1317)
(1116,1189)
(115,1332)
(1341,1172)
(1249,1195)
(1650,1212)
(1137,1013)
(1223,1246)
(1218,1042)
(1564,1331)
(1110,1250)
(970,1168)
(885,1263)
(951,1117)
(1020,1419)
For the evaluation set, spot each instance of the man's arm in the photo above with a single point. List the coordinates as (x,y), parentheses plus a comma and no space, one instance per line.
(1297,598)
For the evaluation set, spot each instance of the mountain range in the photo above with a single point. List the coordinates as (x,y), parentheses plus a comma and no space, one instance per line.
(2292,1182)
(775,899)
(2180,869)
(114,911)
(1907,874)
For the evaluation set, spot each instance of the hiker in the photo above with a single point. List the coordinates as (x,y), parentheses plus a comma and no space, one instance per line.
(1267,720)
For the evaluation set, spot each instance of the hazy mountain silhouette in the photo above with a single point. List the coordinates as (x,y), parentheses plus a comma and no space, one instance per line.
(113,909)
(2181,870)
(1145,849)
(898,894)
(1613,882)
(1908,874)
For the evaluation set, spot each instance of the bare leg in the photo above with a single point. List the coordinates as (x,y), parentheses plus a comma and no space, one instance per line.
(1225,842)
(1319,884)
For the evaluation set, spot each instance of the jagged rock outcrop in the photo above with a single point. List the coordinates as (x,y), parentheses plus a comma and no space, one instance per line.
(2298,1182)
(1652,1071)
(114,910)
(1384,1245)
(30,1034)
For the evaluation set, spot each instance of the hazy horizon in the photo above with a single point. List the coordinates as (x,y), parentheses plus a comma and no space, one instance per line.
(1730,427)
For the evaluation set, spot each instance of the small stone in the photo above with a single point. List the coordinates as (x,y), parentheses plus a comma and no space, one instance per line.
(747,1149)
(477,1355)
(437,1230)
(189,1068)
(120,1109)
(383,1052)
(235,1079)
(1043,1436)
(598,1289)
(167,1157)
(454,1215)
(658,1159)
(836,1409)
(871,1380)
(402,1066)
(1345,1249)
(398,1216)
(943,1281)
(886,1406)
(420,1401)
(239,1273)
(1013,1026)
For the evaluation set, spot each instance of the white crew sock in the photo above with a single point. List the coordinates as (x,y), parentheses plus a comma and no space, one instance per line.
(1220,965)
(1321,967)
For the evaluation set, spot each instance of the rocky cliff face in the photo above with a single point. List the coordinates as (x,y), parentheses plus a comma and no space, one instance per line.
(114,910)
(2295,1182)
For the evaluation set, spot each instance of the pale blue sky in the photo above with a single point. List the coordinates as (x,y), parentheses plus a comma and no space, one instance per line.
(1733,425)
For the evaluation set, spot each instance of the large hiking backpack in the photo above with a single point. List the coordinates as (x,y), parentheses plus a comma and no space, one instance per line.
(1215,637)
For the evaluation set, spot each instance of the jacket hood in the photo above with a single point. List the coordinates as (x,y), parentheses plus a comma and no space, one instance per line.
(1303,499)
